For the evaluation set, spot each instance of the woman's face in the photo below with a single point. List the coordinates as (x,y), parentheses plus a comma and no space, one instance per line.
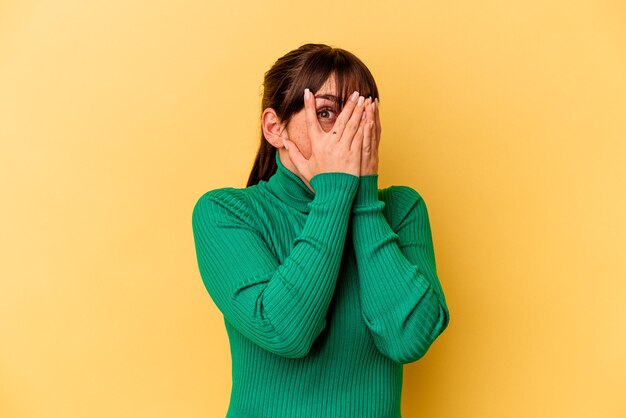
(327,112)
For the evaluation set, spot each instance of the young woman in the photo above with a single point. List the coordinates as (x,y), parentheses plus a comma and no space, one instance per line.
(327,284)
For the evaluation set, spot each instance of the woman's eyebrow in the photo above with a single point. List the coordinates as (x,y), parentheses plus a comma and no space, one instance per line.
(330,97)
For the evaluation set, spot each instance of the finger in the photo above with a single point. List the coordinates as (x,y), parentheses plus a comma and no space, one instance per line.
(367,136)
(356,145)
(296,156)
(374,124)
(345,114)
(378,126)
(355,121)
(370,111)
(312,124)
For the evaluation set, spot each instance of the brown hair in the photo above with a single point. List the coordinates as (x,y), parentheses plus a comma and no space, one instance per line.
(309,66)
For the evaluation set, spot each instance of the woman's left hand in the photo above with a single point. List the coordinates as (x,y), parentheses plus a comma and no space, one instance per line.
(371,139)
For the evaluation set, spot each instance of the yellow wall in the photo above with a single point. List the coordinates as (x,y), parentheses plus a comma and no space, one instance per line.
(507,116)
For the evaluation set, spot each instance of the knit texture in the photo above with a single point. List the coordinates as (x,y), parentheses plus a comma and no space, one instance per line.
(325,294)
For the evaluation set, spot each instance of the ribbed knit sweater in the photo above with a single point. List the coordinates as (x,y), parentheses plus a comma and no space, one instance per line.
(325,294)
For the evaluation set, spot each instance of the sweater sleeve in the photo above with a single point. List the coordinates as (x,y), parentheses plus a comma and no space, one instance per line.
(281,307)
(402,301)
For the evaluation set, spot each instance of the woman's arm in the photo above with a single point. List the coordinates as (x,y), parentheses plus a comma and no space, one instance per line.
(402,300)
(280,307)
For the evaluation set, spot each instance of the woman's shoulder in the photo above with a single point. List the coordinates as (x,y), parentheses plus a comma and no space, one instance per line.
(231,200)
(404,194)
(401,200)
(223,195)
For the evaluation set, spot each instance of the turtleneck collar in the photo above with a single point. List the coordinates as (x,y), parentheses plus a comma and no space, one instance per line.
(290,188)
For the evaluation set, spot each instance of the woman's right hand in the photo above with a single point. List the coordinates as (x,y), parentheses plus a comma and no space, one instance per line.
(338,150)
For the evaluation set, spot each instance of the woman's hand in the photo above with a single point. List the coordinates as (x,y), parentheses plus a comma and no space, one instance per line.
(338,150)
(371,139)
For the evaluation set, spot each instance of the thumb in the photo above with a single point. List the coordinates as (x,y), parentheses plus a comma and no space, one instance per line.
(296,156)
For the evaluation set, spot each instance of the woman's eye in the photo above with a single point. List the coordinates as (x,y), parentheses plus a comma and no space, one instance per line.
(326,114)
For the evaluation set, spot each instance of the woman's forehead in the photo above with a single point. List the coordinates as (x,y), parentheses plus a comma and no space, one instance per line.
(329,87)
(329,91)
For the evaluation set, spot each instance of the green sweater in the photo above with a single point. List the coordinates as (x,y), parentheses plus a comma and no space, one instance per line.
(324,295)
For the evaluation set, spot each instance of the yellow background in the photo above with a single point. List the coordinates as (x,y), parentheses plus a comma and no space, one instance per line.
(507,116)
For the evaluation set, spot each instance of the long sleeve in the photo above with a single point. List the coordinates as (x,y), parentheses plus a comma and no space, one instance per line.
(402,301)
(280,307)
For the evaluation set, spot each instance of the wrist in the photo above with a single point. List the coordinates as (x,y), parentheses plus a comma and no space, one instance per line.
(333,186)
(367,192)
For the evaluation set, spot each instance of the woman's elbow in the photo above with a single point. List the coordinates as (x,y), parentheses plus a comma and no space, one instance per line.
(411,348)
(296,345)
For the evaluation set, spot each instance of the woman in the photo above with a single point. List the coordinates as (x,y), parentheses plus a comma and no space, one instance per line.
(327,284)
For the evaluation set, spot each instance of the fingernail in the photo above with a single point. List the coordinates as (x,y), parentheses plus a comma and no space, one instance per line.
(307,92)
(361,99)
(285,143)
(354,96)
(374,106)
